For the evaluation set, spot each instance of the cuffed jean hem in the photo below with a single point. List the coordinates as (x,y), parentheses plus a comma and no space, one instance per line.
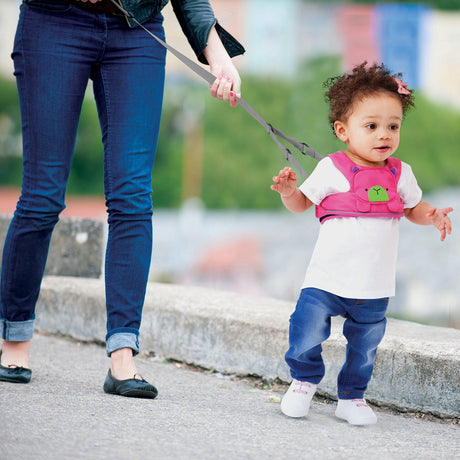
(16,331)
(122,340)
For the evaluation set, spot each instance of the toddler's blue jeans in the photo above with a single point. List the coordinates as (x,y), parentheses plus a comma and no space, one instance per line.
(310,325)
(58,48)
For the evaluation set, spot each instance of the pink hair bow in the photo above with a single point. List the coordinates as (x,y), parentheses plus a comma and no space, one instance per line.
(402,87)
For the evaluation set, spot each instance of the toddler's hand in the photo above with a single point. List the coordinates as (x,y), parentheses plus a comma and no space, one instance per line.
(441,220)
(285,182)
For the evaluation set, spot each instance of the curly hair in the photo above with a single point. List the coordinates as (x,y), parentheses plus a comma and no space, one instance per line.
(362,81)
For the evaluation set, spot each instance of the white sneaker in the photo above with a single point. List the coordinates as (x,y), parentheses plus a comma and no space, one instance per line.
(355,412)
(296,401)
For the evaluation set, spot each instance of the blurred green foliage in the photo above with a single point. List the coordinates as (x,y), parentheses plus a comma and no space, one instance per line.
(239,158)
(10,128)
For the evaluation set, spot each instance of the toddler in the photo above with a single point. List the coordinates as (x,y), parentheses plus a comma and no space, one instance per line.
(360,195)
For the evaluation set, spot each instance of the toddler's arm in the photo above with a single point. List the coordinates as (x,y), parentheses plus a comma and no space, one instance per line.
(291,196)
(426,214)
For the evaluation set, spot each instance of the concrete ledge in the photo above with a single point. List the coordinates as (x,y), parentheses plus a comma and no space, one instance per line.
(76,247)
(417,367)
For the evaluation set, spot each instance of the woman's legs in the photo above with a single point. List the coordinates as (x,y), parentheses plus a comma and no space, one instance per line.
(128,86)
(15,353)
(51,77)
(61,47)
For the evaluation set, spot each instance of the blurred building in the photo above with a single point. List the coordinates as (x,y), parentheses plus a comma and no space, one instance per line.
(358,29)
(280,35)
(440,69)
(9,12)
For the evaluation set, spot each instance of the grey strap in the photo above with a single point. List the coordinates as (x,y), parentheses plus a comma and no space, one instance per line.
(210,78)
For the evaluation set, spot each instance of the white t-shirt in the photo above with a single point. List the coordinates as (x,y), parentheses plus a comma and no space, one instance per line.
(355,257)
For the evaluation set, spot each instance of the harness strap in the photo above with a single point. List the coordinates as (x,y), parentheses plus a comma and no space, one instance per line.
(274,133)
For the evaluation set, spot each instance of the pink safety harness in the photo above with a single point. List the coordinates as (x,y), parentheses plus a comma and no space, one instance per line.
(373,191)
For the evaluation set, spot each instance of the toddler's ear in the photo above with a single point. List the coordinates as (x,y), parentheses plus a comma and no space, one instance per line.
(340,131)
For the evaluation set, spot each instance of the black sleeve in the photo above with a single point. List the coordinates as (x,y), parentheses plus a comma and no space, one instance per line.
(196,19)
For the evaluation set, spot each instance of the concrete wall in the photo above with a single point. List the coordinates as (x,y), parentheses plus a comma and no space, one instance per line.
(76,247)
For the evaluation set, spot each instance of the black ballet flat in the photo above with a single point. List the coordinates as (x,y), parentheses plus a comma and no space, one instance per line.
(15,374)
(134,388)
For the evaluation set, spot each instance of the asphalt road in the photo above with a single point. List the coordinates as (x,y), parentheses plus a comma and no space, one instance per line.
(64,414)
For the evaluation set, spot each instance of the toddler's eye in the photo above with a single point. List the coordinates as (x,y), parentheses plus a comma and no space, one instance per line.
(371,126)
(394,127)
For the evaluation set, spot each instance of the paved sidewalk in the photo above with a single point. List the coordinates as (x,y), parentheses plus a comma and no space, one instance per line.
(417,367)
(64,414)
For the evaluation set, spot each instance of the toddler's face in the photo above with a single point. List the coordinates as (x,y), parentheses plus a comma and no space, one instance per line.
(371,131)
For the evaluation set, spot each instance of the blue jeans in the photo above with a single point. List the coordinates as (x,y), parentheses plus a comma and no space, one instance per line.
(58,48)
(310,325)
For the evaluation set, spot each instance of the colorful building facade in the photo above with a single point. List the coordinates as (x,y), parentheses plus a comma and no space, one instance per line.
(280,35)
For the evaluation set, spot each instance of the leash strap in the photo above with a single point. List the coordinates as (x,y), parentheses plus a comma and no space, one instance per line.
(210,78)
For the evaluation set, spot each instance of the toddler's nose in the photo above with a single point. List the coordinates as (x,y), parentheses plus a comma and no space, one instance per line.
(384,133)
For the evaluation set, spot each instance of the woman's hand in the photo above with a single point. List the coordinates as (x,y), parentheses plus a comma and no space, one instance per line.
(227,86)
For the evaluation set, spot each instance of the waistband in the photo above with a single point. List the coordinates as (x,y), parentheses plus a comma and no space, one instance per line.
(102,6)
